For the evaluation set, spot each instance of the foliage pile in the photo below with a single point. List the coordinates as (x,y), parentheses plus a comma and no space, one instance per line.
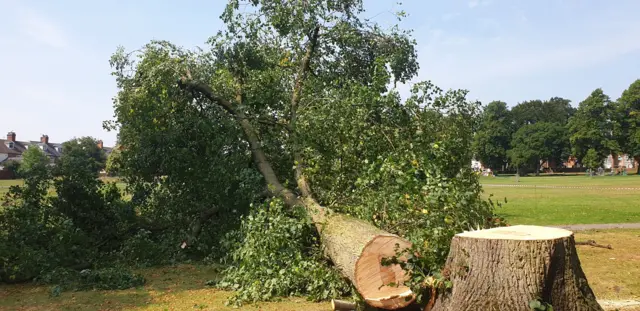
(536,131)
(101,279)
(276,254)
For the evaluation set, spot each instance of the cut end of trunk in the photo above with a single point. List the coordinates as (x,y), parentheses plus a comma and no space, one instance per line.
(520,232)
(374,281)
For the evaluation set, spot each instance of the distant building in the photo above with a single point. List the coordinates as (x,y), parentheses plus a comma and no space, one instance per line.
(12,149)
(619,161)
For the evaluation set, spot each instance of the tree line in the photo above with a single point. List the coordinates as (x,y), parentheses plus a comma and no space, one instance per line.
(533,132)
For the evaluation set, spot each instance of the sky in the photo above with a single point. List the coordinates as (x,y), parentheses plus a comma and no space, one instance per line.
(54,55)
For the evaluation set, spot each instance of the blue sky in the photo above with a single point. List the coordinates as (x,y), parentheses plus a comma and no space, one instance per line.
(54,54)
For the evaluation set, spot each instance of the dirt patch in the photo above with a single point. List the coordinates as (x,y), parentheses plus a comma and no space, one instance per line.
(622,305)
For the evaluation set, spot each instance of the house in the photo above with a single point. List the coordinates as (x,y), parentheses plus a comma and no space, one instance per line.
(12,149)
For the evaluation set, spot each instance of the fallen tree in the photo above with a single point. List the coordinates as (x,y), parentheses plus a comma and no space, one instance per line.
(355,247)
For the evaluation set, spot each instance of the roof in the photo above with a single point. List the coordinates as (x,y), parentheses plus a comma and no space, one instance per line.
(18,148)
(53,150)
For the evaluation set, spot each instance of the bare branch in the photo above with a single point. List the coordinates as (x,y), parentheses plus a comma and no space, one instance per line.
(301,180)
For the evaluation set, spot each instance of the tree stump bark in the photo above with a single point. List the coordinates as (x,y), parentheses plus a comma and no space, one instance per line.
(506,268)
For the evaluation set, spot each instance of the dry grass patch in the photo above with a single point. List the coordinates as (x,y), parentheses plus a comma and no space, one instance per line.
(613,274)
(168,288)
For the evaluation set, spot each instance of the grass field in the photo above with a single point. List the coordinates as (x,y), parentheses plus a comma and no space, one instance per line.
(559,180)
(5,184)
(532,202)
(536,204)
(612,274)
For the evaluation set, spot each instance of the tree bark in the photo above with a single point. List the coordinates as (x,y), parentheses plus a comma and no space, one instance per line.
(506,268)
(341,305)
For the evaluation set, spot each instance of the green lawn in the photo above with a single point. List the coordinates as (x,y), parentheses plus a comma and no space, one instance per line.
(537,205)
(559,206)
(575,180)
(5,184)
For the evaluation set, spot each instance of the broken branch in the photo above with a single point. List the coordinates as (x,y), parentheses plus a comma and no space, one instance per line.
(594,244)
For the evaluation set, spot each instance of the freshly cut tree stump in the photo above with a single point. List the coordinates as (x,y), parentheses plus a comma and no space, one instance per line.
(508,267)
(357,248)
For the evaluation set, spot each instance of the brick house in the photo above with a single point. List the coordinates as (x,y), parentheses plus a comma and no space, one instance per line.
(12,149)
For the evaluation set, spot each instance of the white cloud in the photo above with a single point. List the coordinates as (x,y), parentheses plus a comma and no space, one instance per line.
(41,29)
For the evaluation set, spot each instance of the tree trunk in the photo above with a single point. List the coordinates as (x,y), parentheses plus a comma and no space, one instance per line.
(356,248)
(506,268)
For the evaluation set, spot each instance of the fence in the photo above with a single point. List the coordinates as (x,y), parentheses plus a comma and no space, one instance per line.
(6,174)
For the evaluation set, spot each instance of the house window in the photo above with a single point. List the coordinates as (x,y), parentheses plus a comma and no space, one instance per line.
(43,147)
(59,149)
(11,145)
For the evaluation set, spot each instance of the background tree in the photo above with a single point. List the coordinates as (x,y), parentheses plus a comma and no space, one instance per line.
(114,162)
(491,141)
(34,161)
(82,154)
(555,110)
(592,126)
(35,170)
(628,108)
(592,160)
(534,143)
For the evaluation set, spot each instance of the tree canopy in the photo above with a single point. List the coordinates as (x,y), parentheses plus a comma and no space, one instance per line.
(555,110)
(534,143)
(629,120)
(592,127)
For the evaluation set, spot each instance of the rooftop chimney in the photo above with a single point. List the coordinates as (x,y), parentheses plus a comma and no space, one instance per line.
(100,144)
(44,139)
(11,136)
